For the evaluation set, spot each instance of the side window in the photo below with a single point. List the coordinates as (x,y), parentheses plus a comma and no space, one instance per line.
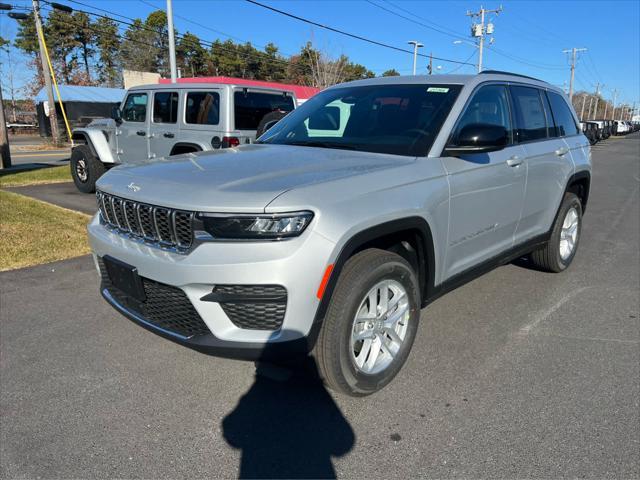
(488,106)
(565,122)
(202,108)
(135,108)
(530,119)
(165,107)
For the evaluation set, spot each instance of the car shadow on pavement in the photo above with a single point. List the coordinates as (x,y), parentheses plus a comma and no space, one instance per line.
(287,425)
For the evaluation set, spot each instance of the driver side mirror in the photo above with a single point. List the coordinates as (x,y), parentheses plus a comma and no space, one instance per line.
(478,138)
(116,114)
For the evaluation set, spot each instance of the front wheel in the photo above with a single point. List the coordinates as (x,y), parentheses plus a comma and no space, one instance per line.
(371,323)
(559,251)
(85,168)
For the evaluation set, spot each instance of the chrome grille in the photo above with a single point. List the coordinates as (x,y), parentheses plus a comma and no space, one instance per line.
(158,226)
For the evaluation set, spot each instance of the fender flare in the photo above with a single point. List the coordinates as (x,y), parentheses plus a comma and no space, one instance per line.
(578,176)
(97,142)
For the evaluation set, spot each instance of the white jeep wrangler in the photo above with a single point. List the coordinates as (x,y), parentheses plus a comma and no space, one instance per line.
(156,121)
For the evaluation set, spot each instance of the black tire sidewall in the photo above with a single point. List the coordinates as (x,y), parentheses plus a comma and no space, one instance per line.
(93,167)
(569,201)
(358,381)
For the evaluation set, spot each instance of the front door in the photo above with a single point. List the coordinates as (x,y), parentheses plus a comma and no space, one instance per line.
(486,189)
(163,130)
(134,130)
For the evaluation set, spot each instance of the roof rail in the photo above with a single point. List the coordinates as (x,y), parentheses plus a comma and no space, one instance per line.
(500,72)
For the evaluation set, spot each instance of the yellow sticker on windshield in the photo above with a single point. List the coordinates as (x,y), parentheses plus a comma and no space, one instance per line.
(437,90)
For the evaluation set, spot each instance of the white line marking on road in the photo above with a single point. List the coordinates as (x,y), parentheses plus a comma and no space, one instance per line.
(592,339)
(550,311)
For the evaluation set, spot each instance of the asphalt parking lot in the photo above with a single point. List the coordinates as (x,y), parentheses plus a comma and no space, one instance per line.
(517,374)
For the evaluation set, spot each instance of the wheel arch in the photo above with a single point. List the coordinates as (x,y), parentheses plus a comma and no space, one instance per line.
(580,184)
(388,236)
(185,147)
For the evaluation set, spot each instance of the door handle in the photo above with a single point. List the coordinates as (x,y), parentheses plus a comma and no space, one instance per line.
(514,161)
(141,133)
(168,135)
(562,151)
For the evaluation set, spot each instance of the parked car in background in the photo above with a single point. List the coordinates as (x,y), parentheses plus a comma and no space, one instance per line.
(332,231)
(590,131)
(157,121)
(621,127)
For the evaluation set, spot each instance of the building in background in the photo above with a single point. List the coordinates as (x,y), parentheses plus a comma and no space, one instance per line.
(81,104)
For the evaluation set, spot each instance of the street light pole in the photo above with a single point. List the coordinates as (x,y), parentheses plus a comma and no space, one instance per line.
(416,45)
(172,42)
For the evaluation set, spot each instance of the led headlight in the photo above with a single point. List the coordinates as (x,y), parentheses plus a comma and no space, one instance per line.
(254,227)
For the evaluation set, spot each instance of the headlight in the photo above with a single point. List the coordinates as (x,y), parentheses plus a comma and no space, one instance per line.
(255,227)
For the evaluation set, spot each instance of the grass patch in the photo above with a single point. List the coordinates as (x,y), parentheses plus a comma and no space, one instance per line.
(38,176)
(35,232)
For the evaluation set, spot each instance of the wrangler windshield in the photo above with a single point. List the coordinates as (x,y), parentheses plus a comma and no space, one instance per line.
(393,119)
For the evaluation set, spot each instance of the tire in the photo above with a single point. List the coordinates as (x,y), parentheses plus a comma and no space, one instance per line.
(85,168)
(268,121)
(334,351)
(552,257)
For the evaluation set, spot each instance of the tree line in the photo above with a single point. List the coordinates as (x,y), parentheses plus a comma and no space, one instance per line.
(88,51)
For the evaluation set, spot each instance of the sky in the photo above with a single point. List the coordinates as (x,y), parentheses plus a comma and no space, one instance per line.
(529,36)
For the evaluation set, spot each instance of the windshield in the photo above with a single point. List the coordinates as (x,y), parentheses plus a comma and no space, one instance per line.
(393,119)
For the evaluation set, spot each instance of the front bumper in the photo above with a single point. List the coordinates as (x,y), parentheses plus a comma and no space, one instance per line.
(297,264)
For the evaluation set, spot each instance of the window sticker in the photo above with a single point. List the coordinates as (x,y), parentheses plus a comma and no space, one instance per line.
(437,90)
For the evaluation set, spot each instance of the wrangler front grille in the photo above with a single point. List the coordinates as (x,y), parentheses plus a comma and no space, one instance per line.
(158,226)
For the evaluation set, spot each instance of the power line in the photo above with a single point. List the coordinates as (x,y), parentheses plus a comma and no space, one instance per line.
(347,34)
(445,29)
(413,20)
(525,62)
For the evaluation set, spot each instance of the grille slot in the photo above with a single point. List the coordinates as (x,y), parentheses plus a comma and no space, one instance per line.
(253,307)
(166,307)
(158,226)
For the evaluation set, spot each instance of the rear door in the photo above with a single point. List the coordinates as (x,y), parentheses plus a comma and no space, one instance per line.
(134,130)
(163,130)
(549,162)
(486,189)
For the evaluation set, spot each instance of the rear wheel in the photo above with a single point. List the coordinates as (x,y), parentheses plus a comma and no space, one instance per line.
(559,251)
(370,324)
(85,168)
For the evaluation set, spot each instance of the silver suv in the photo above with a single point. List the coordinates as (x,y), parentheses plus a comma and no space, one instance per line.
(156,121)
(354,212)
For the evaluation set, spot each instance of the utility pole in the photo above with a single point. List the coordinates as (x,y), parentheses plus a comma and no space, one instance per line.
(430,67)
(633,111)
(172,42)
(584,100)
(574,51)
(479,30)
(615,94)
(589,117)
(53,117)
(4,138)
(416,45)
(595,112)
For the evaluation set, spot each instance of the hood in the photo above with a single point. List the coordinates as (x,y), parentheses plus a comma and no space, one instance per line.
(244,179)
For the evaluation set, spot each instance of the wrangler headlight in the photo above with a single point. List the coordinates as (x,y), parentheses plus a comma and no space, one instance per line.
(254,227)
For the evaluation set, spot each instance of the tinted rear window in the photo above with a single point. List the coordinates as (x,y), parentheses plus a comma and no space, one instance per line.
(565,123)
(530,119)
(250,107)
